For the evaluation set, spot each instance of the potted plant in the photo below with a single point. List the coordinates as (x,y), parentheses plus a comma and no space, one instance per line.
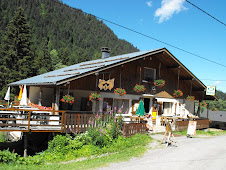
(68,99)
(203,104)
(191,98)
(120,91)
(139,88)
(177,93)
(159,83)
(94,97)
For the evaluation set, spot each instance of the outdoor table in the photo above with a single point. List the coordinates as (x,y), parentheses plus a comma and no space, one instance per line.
(8,114)
(42,115)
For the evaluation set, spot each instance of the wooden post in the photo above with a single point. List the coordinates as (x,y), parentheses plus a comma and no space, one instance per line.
(57,99)
(25,145)
(199,108)
(29,121)
(208,110)
(62,122)
(78,123)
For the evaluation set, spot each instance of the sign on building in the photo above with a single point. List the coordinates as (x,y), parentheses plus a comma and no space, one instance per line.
(210,90)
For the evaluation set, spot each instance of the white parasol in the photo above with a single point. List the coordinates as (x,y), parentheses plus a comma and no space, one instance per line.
(7,96)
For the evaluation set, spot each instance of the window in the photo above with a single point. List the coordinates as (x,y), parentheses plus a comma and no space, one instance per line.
(119,102)
(149,74)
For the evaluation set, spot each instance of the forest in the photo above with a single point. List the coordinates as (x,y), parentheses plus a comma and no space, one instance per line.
(54,35)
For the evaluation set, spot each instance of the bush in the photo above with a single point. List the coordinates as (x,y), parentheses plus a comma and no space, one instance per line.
(2,137)
(60,144)
(7,157)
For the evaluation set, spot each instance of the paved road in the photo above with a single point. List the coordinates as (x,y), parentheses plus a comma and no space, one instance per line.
(191,154)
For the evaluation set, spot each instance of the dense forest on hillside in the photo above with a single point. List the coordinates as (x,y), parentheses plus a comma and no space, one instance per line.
(43,35)
(57,35)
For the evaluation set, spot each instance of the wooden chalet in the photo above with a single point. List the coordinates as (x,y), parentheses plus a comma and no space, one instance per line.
(103,76)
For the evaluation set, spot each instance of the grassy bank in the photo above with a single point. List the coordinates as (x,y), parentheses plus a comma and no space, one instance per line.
(204,133)
(121,149)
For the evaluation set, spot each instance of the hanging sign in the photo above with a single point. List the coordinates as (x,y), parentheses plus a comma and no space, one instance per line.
(106,84)
(192,128)
(210,90)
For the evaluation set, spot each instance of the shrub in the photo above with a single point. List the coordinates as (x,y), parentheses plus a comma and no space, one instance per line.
(7,157)
(2,137)
(59,144)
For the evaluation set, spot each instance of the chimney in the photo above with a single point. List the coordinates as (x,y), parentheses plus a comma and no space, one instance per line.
(105,52)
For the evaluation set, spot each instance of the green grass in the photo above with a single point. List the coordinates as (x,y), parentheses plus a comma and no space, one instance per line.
(205,133)
(122,150)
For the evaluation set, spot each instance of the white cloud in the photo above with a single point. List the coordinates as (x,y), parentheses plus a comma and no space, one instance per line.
(149,3)
(168,8)
(217,82)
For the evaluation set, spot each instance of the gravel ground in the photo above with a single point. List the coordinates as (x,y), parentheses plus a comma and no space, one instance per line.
(190,154)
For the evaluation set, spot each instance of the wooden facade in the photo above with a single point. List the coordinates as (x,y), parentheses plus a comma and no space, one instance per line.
(129,74)
(160,64)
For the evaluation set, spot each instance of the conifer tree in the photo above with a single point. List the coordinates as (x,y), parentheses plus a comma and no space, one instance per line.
(17,55)
(17,60)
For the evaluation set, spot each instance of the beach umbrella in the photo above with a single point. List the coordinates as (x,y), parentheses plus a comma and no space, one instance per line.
(23,101)
(7,96)
(21,92)
(141,110)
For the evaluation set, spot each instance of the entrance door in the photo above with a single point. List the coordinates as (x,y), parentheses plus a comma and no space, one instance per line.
(146,105)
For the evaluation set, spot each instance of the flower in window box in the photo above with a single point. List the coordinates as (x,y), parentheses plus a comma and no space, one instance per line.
(94,97)
(139,88)
(191,98)
(68,99)
(177,93)
(159,83)
(203,104)
(120,91)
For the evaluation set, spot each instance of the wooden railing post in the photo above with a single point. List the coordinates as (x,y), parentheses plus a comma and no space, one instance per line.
(78,123)
(29,121)
(62,122)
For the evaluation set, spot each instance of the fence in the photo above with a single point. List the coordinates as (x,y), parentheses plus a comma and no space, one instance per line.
(78,123)
(181,125)
(27,120)
(130,129)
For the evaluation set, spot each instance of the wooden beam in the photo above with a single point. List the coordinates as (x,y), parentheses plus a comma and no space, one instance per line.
(173,67)
(198,89)
(186,78)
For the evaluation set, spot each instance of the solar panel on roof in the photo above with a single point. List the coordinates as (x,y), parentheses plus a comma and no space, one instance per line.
(80,68)
(66,74)
(104,61)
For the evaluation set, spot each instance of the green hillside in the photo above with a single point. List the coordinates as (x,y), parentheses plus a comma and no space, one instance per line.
(58,35)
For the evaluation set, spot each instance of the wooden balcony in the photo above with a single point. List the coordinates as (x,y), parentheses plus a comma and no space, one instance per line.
(26,120)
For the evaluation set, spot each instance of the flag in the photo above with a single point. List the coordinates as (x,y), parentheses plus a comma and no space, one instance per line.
(23,100)
(7,96)
(21,92)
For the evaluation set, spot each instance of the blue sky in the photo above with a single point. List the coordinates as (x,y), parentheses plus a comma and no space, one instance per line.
(175,22)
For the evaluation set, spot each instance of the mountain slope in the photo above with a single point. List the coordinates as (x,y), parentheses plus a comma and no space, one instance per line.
(75,35)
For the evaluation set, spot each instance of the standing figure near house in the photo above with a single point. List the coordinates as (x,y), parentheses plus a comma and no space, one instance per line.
(149,122)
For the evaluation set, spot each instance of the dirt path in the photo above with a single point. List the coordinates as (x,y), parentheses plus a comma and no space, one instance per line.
(191,153)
